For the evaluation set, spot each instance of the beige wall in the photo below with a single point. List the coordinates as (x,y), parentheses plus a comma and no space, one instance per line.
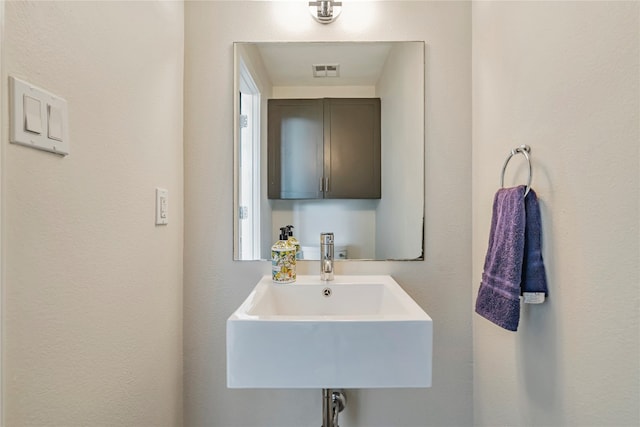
(3,89)
(562,77)
(92,330)
(215,285)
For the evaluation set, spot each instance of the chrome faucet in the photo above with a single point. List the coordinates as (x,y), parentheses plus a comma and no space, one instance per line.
(326,256)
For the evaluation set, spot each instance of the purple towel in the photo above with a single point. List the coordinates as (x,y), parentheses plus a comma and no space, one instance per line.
(534,278)
(514,257)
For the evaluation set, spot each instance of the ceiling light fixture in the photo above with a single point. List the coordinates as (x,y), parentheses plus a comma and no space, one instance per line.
(325,11)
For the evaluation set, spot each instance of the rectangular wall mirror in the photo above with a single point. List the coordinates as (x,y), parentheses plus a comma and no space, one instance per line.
(383,223)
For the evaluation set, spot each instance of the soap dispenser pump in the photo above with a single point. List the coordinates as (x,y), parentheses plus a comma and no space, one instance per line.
(294,242)
(283,259)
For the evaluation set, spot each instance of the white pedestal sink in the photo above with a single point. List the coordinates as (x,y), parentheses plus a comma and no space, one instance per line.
(351,332)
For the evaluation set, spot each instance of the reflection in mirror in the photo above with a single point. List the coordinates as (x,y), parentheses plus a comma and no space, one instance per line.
(385,228)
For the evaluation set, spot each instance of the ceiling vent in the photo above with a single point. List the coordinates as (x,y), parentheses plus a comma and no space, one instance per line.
(326,70)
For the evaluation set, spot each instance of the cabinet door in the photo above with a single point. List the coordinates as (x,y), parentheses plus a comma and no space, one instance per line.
(352,148)
(295,148)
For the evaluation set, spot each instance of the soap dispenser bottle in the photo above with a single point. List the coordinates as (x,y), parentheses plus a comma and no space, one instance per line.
(283,259)
(294,242)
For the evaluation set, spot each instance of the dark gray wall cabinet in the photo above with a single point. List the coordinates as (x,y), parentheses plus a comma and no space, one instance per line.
(324,148)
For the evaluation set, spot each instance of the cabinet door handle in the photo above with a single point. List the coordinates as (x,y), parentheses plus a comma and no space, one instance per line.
(326,185)
(321,185)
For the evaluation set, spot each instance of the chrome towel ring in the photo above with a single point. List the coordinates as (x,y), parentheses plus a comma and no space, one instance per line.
(524,150)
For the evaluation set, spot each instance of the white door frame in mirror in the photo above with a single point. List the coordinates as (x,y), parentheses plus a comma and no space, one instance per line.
(248,207)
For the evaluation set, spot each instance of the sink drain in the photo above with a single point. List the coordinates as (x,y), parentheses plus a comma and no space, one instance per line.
(326,292)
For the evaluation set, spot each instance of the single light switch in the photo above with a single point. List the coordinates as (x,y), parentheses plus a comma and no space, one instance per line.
(32,117)
(54,122)
(162,206)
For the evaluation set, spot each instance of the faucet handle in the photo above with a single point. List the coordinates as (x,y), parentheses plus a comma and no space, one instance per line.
(326,238)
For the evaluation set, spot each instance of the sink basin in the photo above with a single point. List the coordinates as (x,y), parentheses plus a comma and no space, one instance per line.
(351,332)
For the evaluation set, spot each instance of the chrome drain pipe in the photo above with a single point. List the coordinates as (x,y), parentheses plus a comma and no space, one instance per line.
(333,402)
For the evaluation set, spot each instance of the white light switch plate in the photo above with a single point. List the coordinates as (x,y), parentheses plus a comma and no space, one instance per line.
(31,118)
(162,206)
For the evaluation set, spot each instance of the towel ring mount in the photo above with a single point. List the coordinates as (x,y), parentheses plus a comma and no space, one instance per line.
(524,150)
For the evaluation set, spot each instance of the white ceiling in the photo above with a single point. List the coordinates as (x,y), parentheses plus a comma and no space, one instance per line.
(290,64)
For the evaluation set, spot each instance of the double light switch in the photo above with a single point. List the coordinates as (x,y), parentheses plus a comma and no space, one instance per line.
(39,119)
